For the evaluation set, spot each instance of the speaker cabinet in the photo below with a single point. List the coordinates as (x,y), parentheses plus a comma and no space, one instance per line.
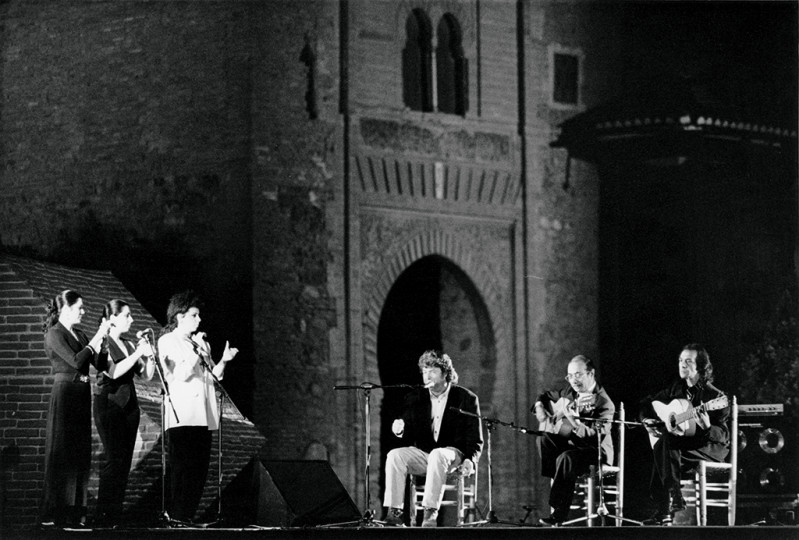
(286,494)
(767,451)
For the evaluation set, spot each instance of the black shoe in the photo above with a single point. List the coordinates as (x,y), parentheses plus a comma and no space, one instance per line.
(658,518)
(550,522)
(676,502)
(394,518)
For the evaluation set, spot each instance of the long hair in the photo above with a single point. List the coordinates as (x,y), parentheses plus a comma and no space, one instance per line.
(67,297)
(433,359)
(180,303)
(112,307)
(703,365)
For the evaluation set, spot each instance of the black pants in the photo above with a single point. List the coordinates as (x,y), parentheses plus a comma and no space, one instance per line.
(117,427)
(563,463)
(189,453)
(671,455)
(68,452)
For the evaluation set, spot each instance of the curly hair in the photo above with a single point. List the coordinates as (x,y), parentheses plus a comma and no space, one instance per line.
(437,359)
(178,304)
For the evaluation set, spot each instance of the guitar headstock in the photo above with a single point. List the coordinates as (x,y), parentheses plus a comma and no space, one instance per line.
(717,403)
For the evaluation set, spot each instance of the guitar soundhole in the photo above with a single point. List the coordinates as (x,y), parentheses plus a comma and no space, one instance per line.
(672,423)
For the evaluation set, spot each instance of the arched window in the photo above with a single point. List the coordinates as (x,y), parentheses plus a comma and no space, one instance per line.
(417,69)
(452,82)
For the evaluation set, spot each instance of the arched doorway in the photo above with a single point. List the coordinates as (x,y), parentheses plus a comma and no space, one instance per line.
(433,304)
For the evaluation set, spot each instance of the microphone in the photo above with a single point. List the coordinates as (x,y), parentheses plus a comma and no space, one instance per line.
(143,333)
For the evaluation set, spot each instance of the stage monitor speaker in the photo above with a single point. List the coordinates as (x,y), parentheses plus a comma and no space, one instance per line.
(767,450)
(290,493)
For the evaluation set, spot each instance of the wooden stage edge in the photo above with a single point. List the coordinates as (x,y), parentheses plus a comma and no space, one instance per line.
(743,532)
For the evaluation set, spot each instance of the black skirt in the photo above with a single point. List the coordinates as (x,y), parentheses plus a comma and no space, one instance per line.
(68,450)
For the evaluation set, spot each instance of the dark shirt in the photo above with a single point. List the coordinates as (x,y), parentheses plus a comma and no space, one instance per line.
(458,430)
(716,439)
(67,354)
(586,434)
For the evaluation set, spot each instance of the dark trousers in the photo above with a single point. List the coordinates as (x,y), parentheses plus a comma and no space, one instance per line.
(117,427)
(68,452)
(671,455)
(189,453)
(563,463)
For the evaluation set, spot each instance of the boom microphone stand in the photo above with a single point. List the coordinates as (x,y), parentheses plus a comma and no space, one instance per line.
(491,518)
(165,396)
(602,511)
(367,520)
(222,396)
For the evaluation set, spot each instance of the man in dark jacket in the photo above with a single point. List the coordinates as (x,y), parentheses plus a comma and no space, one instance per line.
(438,438)
(573,418)
(704,435)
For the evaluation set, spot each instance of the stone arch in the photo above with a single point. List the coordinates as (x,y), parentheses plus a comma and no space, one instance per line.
(444,244)
(435,10)
(450,247)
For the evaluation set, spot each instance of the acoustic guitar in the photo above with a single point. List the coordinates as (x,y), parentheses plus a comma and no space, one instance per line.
(560,422)
(679,417)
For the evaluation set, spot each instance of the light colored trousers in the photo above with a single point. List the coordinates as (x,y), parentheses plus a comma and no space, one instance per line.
(410,460)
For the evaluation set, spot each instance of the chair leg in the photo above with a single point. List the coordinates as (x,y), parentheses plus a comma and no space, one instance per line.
(702,474)
(590,504)
(460,500)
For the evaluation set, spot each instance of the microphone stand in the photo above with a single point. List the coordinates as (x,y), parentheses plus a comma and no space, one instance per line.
(165,396)
(491,518)
(602,511)
(368,518)
(222,395)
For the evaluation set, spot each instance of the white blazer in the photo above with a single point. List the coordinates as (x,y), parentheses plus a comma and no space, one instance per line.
(191,387)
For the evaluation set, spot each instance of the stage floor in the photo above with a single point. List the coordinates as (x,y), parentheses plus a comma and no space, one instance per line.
(442,533)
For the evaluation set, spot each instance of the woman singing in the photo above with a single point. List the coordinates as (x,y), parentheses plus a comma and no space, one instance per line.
(68,447)
(186,360)
(116,409)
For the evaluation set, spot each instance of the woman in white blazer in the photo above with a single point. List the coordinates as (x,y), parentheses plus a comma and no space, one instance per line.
(186,360)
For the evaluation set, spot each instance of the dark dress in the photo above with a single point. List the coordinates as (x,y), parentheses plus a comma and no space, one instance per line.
(68,447)
(116,415)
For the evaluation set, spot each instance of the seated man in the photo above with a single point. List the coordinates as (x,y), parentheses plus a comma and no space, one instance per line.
(704,436)
(569,444)
(438,438)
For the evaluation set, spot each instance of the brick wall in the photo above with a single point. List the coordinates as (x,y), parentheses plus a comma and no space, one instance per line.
(126,146)
(296,157)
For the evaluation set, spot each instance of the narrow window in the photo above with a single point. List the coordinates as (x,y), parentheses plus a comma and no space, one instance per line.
(417,93)
(451,68)
(566,79)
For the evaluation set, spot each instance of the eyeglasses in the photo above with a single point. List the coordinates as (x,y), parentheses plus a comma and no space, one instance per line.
(575,376)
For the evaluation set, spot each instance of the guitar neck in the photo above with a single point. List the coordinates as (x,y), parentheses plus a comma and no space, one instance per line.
(683,416)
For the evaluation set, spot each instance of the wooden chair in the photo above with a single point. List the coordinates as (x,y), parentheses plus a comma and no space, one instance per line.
(587,485)
(460,493)
(704,480)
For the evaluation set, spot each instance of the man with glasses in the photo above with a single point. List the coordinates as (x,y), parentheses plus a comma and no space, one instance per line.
(704,437)
(570,418)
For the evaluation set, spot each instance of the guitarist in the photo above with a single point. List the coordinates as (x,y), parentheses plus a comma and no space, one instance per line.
(569,443)
(675,452)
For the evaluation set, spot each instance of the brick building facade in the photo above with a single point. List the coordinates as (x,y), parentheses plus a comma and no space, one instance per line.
(271,155)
